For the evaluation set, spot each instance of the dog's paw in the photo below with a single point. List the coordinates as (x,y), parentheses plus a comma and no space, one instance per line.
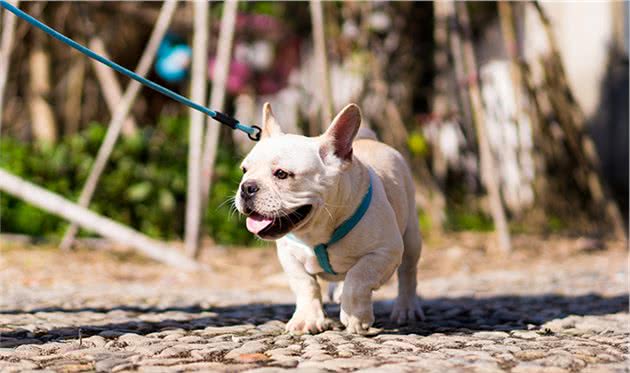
(407,311)
(308,322)
(357,325)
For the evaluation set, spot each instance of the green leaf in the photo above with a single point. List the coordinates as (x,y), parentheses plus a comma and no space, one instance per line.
(139,192)
(166,200)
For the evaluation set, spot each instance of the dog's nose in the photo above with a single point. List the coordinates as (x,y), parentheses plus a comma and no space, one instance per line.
(249,188)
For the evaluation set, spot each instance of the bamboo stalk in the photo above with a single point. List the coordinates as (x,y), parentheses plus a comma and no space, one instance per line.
(57,205)
(115,124)
(319,42)
(489,176)
(6,47)
(217,98)
(198,85)
(110,86)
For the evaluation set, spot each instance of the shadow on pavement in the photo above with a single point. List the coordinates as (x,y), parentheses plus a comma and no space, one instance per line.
(461,315)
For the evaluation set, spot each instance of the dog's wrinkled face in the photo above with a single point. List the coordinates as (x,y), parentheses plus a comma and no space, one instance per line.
(285,177)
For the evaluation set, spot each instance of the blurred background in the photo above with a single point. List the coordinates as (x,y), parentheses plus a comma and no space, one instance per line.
(513,116)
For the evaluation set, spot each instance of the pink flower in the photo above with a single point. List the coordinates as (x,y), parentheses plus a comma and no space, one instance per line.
(238,76)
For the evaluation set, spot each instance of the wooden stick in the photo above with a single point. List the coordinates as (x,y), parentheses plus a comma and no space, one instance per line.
(198,84)
(489,176)
(6,47)
(440,103)
(319,42)
(110,86)
(443,92)
(115,125)
(217,97)
(508,31)
(74,94)
(43,123)
(57,205)
(455,43)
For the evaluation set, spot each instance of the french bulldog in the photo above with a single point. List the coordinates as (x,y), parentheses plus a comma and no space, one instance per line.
(308,186)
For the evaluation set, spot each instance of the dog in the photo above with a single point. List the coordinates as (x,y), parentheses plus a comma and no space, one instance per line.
(300,191)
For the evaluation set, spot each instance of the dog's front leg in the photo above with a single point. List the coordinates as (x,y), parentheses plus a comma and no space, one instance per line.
(309,316)
(367,275)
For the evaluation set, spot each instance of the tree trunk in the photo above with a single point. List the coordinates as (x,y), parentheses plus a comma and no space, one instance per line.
(118,118)
(489,175)
(572,120)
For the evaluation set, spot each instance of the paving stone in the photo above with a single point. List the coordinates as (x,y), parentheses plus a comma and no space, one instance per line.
(247,348)
(107,365)
(560,319)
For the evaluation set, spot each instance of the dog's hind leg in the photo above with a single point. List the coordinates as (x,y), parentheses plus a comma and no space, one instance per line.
(407,307)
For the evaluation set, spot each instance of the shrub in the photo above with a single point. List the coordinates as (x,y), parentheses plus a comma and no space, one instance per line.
(143,186)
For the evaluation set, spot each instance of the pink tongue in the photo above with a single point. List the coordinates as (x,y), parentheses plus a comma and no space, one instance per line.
(256,223)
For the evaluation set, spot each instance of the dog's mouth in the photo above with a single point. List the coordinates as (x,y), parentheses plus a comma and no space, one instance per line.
(270,227)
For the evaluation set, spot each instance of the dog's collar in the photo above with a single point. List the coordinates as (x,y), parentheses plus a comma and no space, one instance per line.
(321,250)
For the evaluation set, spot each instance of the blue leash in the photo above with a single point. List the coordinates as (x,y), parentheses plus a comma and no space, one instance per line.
(321,250)
(253,132)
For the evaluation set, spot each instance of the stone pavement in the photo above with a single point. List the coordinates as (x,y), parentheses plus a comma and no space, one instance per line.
(542,316)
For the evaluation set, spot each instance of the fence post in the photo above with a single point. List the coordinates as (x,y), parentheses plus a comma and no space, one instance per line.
(489,176)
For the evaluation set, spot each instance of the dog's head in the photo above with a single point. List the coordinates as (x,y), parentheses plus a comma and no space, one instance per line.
(286,177)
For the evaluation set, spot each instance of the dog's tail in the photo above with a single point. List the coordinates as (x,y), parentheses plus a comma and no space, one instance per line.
(366,133)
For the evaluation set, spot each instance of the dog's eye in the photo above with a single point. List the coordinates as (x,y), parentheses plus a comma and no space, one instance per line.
(281,174)
(244,170)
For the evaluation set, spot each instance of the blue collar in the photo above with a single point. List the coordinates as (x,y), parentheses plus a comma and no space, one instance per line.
(321,250)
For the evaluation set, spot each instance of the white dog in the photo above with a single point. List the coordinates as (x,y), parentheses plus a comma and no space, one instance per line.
(340,208)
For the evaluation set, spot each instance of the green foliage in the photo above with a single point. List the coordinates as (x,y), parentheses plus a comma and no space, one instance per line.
(556,224)
(271,8)
(460,220)
(144,184)
(425,223)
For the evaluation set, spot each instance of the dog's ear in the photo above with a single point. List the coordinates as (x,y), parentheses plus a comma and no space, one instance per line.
(342,131)
(270,125)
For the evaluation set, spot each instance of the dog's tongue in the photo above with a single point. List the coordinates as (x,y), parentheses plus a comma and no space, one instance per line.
(256,223)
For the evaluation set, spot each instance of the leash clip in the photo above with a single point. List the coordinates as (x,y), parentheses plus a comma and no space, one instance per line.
(255,135)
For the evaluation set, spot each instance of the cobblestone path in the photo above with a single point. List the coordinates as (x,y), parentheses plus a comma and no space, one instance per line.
(543,316)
